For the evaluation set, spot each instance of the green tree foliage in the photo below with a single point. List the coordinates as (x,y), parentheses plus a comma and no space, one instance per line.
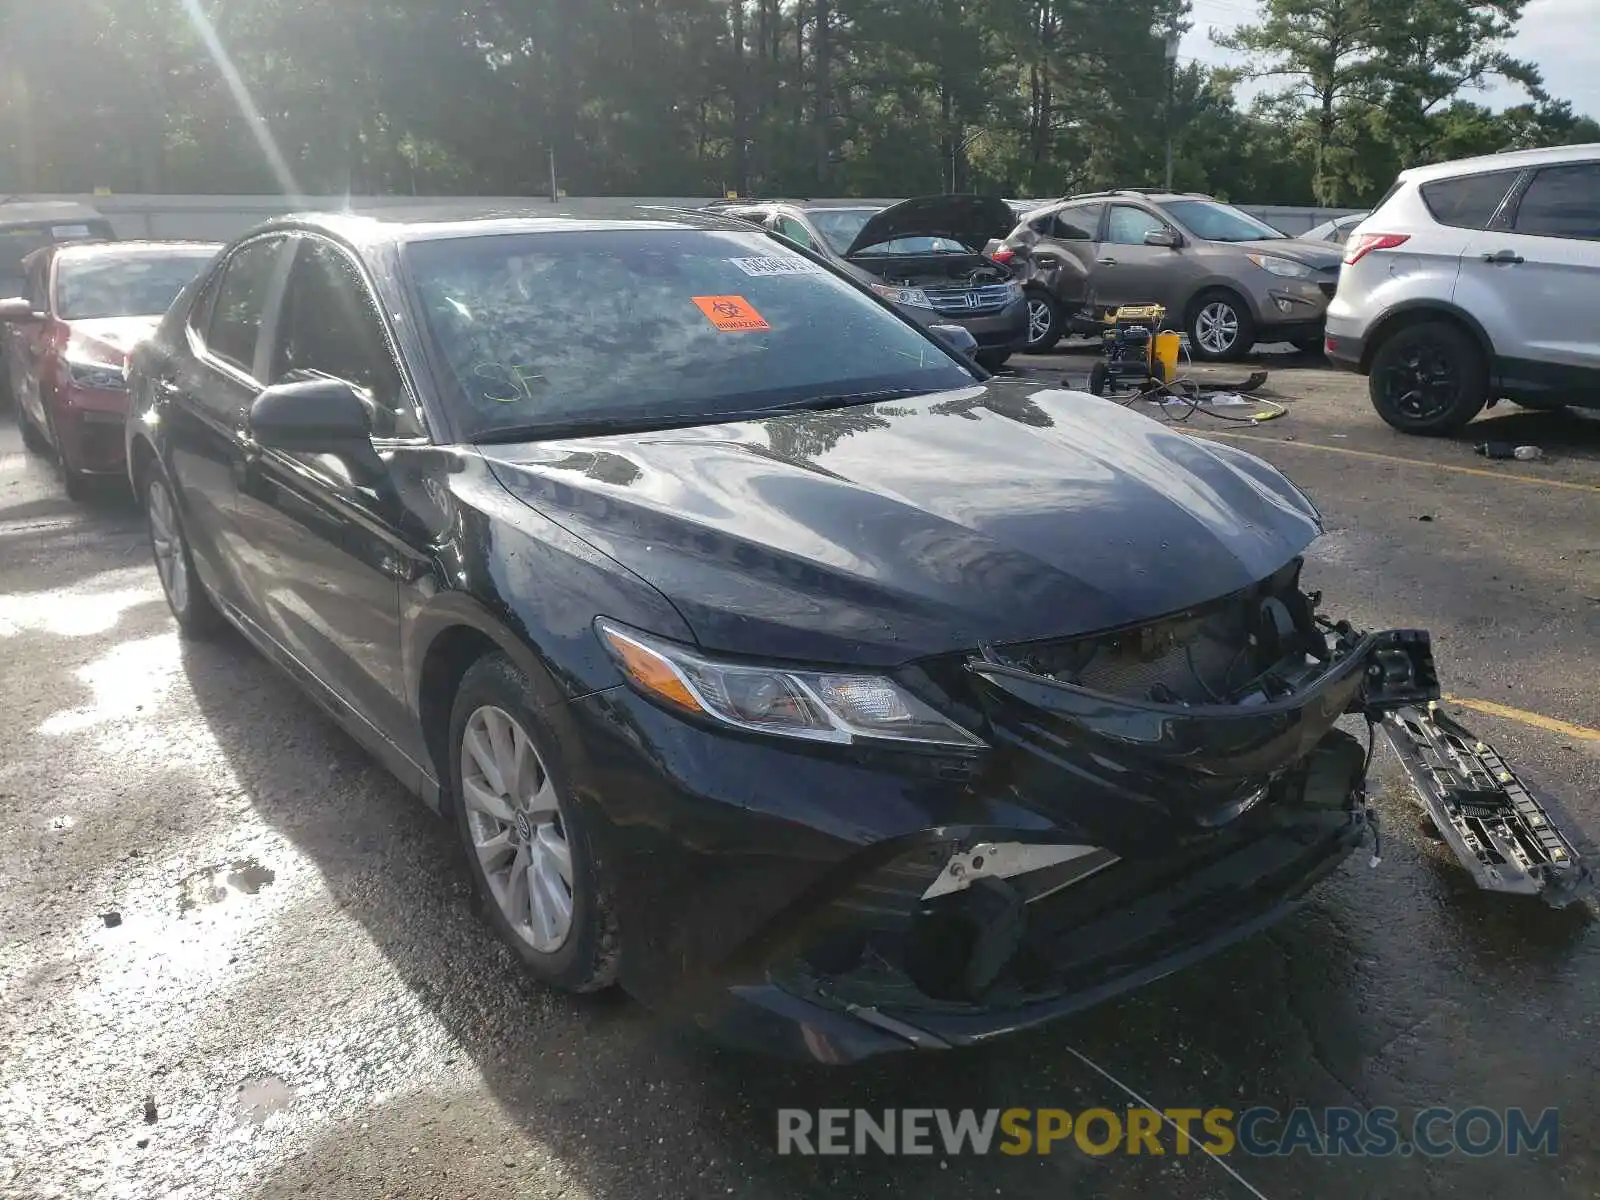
(800,97)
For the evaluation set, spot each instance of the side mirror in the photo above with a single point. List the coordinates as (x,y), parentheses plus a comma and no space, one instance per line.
(957,338)
(1163,237)
(317,416)
(17,311)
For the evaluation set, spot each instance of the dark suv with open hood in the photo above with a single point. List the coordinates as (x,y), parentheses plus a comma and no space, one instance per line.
(925,255)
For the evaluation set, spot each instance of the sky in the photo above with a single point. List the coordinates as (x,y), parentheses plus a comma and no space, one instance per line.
(1555,35)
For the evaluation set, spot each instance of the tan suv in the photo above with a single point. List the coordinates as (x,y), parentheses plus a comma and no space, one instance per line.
(1226,279)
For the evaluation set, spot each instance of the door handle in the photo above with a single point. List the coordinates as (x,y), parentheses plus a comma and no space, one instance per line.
(1106,262)
(1510,257)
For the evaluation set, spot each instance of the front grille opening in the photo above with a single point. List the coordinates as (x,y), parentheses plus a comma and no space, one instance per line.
(1210,655)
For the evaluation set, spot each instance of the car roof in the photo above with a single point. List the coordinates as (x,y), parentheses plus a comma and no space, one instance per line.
(1153,195)
(1507,160)
(77,250)
(432,223)
(39,212)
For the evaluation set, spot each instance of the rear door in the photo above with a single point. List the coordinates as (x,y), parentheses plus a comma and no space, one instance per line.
(204,393)
(1061,251)
(1126,271)
(327,556)
(1538,266)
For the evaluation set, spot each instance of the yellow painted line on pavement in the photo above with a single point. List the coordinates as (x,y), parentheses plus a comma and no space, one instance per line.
(1537,720)
(1405,462)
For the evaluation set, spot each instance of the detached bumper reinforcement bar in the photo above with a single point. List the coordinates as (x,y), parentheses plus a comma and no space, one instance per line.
(1511,839)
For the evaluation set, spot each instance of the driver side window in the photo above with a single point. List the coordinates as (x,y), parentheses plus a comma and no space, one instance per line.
(1128,225)
(329,327)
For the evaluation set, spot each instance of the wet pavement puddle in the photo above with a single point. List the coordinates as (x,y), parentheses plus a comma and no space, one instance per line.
(245,877)
(260,1097)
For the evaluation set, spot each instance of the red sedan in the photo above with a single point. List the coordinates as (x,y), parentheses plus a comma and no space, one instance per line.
(86,307)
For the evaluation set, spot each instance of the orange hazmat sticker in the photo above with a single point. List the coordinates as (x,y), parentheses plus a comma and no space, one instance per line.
(730,314)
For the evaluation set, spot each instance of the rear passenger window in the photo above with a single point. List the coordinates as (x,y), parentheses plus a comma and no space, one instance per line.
(1078,224)
(241,297)
(1562,202)
(1467,201)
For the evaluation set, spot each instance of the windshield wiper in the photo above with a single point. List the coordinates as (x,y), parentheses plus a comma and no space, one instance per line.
(584,427)
(812,403)
(646,422)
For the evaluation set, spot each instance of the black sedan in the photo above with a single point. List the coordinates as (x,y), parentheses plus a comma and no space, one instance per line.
(767,658)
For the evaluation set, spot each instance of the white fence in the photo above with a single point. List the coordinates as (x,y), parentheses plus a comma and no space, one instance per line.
(218,218)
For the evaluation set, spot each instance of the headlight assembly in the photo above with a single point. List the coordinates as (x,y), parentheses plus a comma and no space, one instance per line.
(818,706)
(1284,268)
(910,296)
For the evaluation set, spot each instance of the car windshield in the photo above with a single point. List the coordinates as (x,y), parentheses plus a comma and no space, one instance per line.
(1220,222)
(578,330)
(841,227)
(124,284)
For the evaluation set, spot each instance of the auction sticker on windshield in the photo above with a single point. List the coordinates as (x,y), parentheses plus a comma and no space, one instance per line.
(731,314)
(776,264)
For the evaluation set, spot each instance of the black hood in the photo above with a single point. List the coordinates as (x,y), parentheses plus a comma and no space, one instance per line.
(970,220)
(881,533)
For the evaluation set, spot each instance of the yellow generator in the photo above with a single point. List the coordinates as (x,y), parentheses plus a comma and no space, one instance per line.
(1139,354)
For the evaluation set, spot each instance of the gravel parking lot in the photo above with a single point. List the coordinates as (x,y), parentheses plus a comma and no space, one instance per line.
(239,961)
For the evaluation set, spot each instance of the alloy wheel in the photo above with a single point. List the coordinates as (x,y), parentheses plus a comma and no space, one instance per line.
(1216,327)
(1423,383)
(166,539)
(514,820)
(1039,320)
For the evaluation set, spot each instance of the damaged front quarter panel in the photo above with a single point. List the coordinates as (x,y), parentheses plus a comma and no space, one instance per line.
(1208,760)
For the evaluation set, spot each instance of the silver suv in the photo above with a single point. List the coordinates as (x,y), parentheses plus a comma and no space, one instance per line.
(1225,278)
(1474,281)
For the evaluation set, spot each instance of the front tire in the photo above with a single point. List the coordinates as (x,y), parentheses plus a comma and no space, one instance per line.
(527,838)
(992,360)
(197,617)
(1045,321)
(73,481)
(1428,379)
(1220,328)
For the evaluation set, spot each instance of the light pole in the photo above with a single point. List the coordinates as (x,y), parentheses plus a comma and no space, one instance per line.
(1173,38)
(958,147)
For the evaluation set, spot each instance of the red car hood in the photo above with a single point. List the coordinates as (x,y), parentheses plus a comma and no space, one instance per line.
(112,337)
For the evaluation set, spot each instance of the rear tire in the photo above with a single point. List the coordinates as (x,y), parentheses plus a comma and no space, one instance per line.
(992,360)
(527,837)
(1308,346)
(1220,327)
(191,607)
(1045,321)
(1428,379)
(31,437)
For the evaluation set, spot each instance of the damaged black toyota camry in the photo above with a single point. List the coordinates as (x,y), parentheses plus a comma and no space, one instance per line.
(767,657)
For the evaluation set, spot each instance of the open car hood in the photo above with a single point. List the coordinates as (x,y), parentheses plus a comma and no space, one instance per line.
(970,220)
